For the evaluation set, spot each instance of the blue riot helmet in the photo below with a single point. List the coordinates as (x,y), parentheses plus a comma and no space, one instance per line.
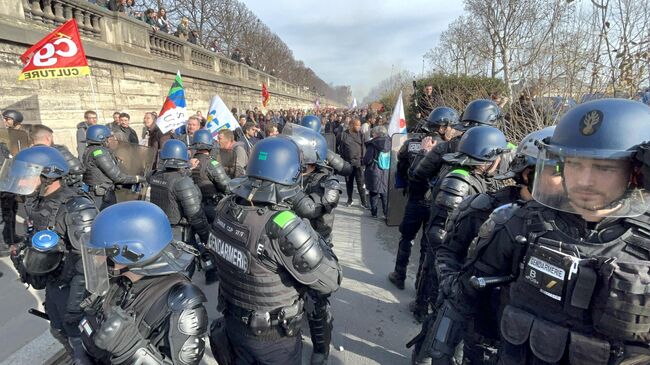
(479,146)
(174,154)
(313,145)
(135,235)
(202,140)
(526,154)
(22,174)
(44,253)
(479,112)
(98,134)
(586,167)
(440,117)
(273,173)
(312,122)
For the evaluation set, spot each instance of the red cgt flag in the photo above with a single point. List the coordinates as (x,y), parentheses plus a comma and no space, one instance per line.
(60,54)
(265,95)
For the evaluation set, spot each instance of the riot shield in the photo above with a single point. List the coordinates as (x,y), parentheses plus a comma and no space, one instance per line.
(133,159)
(331,141)
(14,139)
(396,197)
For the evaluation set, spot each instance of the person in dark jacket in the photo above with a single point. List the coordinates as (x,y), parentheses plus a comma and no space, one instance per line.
(376,172)
(352,146)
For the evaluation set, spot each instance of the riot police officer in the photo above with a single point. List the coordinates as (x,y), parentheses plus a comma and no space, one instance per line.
(334,160)
(207,172)
(462,227)
(150,312)
(477,112)
(577,255)
(102,169)
(12,119)
(417,206)
(316,202)
(264,250)
(471,169)
(44,136)
(58,219)
(174,191)
(312,122)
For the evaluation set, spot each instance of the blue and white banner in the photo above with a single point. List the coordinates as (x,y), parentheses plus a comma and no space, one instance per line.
(220,117)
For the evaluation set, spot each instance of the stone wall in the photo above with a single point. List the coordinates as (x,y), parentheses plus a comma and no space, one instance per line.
(132,69)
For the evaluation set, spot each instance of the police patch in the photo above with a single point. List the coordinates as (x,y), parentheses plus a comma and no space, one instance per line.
(415,146)
(230,253)
(591,122)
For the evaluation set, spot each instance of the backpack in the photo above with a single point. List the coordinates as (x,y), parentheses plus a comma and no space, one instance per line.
(383,160)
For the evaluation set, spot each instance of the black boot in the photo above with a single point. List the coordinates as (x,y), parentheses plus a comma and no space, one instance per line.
(396,279)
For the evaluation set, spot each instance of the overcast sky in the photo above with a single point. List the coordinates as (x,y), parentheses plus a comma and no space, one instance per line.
(357,42)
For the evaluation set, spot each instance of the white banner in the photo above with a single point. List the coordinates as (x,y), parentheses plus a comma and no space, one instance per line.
(220,117)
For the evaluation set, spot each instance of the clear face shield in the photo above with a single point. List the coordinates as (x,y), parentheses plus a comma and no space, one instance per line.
(95,269)
(20,177)
(596,184)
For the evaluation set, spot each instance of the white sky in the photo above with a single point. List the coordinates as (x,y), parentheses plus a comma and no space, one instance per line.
(358,42)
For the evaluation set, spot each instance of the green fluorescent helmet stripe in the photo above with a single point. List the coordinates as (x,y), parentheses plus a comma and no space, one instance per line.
(460,172)
(284,218)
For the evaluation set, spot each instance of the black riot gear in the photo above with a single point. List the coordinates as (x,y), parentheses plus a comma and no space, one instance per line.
(157,319)
(575,266)
(103,172)
(212,180)
(67,215)
(257,240)
(174,191)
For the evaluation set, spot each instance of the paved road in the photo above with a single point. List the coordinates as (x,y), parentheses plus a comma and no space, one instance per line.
(371,319)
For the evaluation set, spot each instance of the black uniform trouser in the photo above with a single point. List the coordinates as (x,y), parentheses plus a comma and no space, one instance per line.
(56,300)
(249,350)
(416,215)
(9,207)
(104,201)
(356,175)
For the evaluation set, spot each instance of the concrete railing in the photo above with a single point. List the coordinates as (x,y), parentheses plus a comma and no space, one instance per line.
(113,30)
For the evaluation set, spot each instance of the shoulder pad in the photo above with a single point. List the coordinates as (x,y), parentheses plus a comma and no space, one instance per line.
(642,221)
(455,184)
(481,202)
(332,183)
(466,203)
(79,203)
(185,295)
(214,162)
(503,213)
(184,183)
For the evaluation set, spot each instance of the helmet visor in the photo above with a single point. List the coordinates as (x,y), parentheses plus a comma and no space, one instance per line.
(20,177)
(597,184)
(304,138)
(95,268)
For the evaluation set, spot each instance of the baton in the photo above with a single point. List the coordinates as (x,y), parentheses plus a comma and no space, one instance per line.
(484,282)
(38,314)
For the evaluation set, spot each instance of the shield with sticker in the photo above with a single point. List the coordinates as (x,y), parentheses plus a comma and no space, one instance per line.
(396,196)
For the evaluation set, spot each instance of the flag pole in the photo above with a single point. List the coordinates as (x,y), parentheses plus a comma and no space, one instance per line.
(94,95)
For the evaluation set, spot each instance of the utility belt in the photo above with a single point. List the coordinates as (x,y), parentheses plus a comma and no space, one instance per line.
(283,322)
(549,342)
(101,189)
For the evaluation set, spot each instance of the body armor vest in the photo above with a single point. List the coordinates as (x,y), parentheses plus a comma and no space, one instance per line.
(227,160)
(592,290)
(201,179)
(93,175)
(162,194)
(249,279)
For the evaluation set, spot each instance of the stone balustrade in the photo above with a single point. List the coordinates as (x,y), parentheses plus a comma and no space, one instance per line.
(129,35)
